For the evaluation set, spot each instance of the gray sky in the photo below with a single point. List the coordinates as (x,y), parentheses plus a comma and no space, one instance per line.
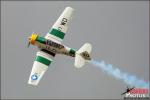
(117,30)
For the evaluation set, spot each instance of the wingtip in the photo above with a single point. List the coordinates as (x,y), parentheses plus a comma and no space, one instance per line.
(32,83)
(69,8)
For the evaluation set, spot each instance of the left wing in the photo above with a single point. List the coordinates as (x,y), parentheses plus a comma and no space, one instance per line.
(60,27)
(41,64)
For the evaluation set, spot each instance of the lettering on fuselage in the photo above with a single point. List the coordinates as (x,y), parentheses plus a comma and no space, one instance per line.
(51,49)
(54,44)
(67,53)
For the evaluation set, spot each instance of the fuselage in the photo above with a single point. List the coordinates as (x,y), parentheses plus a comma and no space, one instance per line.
(54,47)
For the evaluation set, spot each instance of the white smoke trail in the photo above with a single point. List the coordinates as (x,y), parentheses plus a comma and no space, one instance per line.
(118,74)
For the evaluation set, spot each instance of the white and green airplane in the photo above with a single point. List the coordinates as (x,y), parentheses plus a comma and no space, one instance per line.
(50,45)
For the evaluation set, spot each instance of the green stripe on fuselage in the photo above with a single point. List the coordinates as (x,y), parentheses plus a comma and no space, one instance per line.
(41,39)
(43,60)
(57,33)
(72,51)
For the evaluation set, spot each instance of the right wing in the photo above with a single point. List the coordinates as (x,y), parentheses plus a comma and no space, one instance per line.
(41,64)
(60,27)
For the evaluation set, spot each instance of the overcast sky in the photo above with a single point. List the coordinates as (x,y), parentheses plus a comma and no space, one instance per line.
(117,30)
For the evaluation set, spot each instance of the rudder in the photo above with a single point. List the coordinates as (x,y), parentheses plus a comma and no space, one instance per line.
(82,55)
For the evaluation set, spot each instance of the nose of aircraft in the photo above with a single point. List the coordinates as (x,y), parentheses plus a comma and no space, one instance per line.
(32,39)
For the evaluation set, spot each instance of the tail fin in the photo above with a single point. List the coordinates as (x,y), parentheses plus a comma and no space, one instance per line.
(82,55)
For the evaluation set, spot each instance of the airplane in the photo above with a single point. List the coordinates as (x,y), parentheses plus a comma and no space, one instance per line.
(128,90)
(51,44)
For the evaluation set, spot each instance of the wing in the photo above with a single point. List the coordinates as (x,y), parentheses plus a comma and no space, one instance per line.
(41,64)
(60,27)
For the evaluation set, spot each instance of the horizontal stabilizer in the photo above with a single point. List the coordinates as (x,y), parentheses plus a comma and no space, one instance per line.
(82,55)
(79,61)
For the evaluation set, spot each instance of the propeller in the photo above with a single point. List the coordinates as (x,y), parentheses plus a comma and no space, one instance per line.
(29,42)
(32,39)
